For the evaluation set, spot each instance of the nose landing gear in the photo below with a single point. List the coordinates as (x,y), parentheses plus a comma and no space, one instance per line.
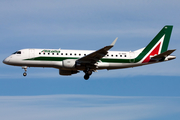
(24,74)
(25,69)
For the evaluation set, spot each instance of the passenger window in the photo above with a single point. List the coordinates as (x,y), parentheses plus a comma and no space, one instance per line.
(112,55)
(116,55)
(66,54)
(120,55)
(61,53)
(48,53)
(124,55)
(70,53)
(52,53)
(79,54)
(44,53)
(57,53)
(39,53)
(75,54)
(84,54)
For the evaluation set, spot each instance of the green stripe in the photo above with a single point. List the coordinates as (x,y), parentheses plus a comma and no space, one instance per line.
(51,58)
(64,58)
(117,60)
(168,31)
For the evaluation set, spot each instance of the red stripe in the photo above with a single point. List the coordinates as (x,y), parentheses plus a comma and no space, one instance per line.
(154,52)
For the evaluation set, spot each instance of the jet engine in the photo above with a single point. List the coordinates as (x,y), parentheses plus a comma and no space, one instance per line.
(69,63)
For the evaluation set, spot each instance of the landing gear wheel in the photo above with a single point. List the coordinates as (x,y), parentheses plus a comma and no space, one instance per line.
(24,74)
(88,73)
(86,76)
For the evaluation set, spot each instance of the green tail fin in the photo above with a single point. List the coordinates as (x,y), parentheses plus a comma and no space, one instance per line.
(158,45)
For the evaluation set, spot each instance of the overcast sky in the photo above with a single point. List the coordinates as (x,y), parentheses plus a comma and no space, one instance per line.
(147,92)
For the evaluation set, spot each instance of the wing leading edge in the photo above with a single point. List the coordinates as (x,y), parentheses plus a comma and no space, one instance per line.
(97,55)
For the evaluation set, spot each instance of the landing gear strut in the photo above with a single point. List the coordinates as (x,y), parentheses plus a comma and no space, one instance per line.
(25,69)
(88,72)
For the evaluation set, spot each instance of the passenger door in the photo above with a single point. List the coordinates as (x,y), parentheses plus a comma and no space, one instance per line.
(31,53)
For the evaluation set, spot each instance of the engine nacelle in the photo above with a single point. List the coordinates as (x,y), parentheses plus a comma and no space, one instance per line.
(69,63)
(67,72)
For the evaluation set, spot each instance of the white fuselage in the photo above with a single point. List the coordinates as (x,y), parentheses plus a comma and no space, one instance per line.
(54,57)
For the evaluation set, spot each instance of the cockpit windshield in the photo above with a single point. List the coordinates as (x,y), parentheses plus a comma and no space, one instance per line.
(17,52)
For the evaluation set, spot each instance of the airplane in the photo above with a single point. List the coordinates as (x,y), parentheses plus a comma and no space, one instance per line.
(73,61)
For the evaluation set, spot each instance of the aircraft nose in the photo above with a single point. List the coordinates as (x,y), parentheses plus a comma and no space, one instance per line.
(5,61)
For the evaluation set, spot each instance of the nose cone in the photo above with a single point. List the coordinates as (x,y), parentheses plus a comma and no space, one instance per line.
(6,61)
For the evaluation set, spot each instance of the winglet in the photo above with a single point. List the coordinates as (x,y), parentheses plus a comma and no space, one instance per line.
(112,44)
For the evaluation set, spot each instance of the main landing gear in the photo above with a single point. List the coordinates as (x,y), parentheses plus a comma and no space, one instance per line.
(88,72)
(25,70)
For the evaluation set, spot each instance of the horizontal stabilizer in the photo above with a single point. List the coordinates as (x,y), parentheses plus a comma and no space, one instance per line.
(162,55)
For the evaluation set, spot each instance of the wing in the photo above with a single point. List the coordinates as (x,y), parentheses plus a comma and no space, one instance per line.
(97,55)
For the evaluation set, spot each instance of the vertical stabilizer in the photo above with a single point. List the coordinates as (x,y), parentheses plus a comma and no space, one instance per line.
(157,46)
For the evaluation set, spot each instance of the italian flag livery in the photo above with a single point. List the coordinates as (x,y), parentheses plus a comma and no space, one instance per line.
(157,46)
(73,61)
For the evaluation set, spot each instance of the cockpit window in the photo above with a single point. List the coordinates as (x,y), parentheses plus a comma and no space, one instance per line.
(17,52)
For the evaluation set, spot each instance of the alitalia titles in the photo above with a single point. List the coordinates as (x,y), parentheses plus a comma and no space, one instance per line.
(50,51)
